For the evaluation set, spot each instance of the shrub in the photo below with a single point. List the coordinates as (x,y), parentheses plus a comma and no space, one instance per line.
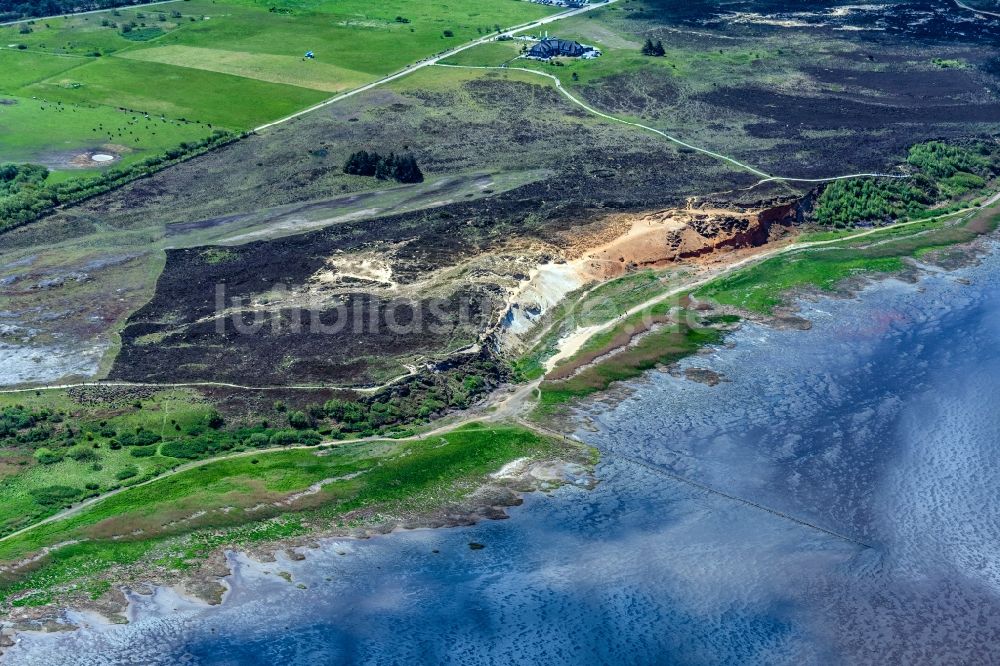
(82,454)
(53,496)
(48,456)
(215,420)
(143,451)
(310,438)
(344,411)
(257,440)
(197,447)
(127,473)
(285,438)
(299,420)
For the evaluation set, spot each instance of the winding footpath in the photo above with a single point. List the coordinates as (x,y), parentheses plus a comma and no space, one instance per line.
(512,406)
(567,346)
(765,177)
(411,370)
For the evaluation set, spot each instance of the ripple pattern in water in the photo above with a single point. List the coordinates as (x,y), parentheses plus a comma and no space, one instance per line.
(882,423)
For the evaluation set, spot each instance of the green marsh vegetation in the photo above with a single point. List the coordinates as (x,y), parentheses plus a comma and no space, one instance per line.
(264,496)
(942,174)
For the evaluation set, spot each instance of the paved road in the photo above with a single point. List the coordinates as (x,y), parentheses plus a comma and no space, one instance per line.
(433,60)
(95,11)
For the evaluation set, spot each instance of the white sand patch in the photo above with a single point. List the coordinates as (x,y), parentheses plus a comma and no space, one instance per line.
(570,345)
(367,267)
(511,469)
(547,285)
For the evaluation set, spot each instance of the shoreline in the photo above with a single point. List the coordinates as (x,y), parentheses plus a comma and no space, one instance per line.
(210,583)
(501,490)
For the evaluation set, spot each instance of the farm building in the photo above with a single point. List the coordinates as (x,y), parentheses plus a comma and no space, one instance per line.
(551,48)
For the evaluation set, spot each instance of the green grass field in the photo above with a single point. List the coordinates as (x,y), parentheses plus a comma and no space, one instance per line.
(258,496)
(86,431)
(72,129)
(232,64)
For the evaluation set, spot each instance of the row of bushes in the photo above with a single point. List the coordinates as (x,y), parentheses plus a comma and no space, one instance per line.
(402,168)
(27,201)
(211,444)
(941,172)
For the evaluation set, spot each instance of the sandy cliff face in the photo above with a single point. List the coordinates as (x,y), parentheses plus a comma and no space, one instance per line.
(660,238)
(630,242)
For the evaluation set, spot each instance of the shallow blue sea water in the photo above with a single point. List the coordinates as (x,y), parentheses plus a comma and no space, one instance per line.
(856,520)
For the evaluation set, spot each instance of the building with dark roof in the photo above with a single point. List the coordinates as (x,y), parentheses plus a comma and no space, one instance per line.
(551,48)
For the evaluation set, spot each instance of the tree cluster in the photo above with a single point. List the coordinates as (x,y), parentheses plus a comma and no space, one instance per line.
(651,48)
(25,196)
(941,171)
(402,168)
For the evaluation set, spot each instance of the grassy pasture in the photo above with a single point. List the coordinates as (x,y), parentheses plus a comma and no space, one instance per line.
(233,64)
(283,69)
(493,54)
(220,502)
(71,128)
(22,68)
(179,93)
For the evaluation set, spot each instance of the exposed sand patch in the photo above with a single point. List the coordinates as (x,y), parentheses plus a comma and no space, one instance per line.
(547,285)
(634,242)
(369,267)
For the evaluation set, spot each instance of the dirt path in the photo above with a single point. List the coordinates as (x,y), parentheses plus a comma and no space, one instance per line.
(512,406)
(410,371)
(765,177)
(570,344)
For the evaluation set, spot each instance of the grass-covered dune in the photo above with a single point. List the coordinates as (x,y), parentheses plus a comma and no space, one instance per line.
(763,287)
(251,497)
(662,333)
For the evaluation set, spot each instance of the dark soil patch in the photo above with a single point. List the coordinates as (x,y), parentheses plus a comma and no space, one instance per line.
(825,112)
(906,87)
(80,158)
(637,93)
